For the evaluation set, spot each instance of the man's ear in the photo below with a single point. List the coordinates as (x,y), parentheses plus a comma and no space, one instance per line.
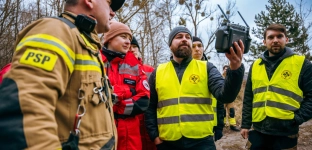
(264,42)
(89,3)
(287,40)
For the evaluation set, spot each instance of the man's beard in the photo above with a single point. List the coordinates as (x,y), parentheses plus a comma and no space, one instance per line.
(183,52)
(276,50)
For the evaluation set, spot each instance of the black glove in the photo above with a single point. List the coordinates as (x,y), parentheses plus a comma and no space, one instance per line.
(217,134)
(72,143)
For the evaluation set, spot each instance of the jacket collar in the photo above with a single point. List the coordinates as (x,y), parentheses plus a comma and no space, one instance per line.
(287,52)
(110,55)
(184,62)
(92,37)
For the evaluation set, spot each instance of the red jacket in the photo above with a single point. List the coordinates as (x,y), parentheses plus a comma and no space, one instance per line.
(4,70)
(147,144)
(147,68)
(129,82)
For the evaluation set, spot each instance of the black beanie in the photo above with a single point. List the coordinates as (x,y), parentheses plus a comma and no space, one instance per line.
(135,42)
(177,30)
(197,39)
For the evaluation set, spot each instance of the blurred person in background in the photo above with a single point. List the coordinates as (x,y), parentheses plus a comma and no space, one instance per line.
(147,144)
(229,116)
(135,49)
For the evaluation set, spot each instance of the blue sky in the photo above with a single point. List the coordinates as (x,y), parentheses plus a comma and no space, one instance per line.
(248,9)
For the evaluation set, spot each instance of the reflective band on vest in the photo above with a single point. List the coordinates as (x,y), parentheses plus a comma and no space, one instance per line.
(184,109)
(281,96)
(186,100)
(214,106)
(185,118)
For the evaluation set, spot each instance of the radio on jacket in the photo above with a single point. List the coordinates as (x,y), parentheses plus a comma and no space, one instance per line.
(228,33)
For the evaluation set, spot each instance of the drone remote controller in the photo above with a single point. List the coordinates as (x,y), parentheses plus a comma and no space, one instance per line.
(228,33)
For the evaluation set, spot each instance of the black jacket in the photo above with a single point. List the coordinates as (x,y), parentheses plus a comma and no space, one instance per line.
(220,108)
(224,91)
(274,126)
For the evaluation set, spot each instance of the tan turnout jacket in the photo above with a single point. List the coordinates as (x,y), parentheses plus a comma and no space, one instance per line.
(51,64)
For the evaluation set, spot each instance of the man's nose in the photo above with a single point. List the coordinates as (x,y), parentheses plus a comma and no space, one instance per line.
(275,39)
(112,13)
(196,48)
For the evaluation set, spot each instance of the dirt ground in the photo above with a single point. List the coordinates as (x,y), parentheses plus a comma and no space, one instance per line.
(232,140)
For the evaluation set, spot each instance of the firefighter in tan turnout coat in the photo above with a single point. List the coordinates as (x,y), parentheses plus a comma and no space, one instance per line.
(57,85)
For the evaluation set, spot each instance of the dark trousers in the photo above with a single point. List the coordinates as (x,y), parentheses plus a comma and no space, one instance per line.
(260,141)
(184,143)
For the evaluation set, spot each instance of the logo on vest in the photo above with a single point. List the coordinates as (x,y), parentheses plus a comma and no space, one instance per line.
(194,79)
(286,74)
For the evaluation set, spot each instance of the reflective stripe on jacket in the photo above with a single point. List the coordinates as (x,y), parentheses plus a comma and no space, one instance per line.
(184,108)
(281,96)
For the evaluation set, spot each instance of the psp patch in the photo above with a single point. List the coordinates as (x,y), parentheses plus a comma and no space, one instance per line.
(39,59)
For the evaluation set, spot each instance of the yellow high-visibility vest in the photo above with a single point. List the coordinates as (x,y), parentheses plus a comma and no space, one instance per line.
(281,96)
(184,108)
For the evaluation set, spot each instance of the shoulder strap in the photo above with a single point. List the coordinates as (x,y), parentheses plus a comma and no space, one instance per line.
(66,21)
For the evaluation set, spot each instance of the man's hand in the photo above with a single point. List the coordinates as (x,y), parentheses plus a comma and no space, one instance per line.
(244,133)
(157,141)
(236,58)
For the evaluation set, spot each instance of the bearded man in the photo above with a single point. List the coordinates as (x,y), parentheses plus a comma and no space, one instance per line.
(180,114)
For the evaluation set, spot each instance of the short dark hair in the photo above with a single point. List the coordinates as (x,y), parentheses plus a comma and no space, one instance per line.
(71,2)
(275,27)
(226,66)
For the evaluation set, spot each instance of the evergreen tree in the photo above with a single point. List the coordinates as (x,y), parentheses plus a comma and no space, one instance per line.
(282,12)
